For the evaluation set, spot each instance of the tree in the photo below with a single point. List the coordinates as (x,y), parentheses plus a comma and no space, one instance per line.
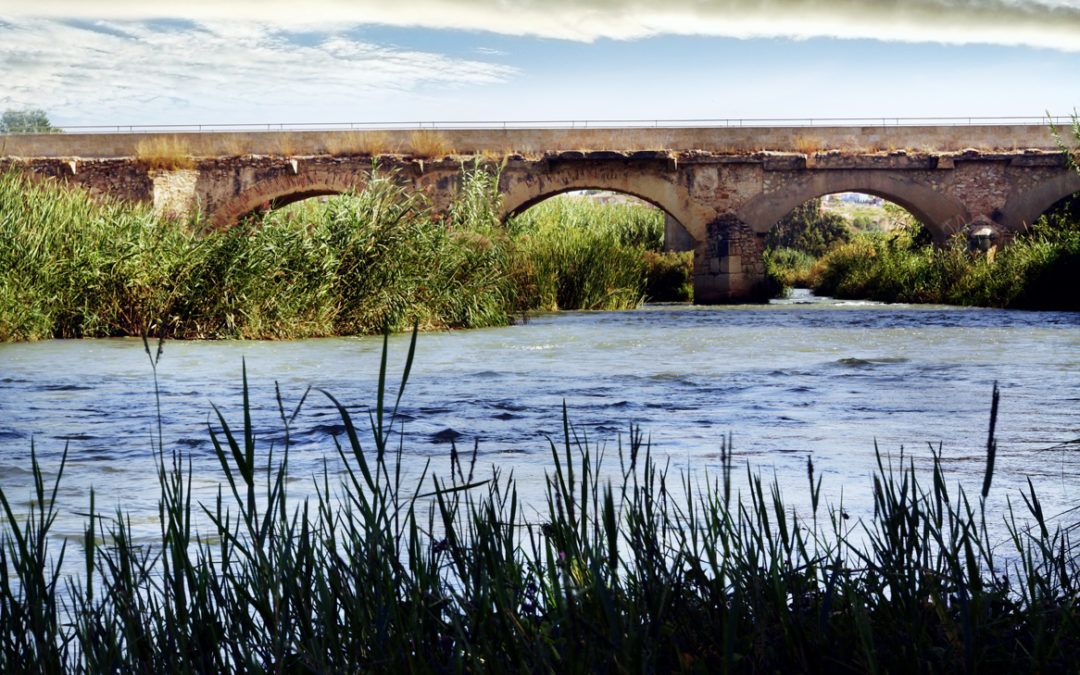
(809,229)
(28,121)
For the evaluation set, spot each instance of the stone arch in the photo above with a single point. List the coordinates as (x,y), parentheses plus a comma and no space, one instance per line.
(666,195)
(1024,207)
(278,192)
(942,214)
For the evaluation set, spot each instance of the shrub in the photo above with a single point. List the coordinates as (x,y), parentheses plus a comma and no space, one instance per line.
(669,277)
(810,229)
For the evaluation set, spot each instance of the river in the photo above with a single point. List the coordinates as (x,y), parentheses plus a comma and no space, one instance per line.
(796,378)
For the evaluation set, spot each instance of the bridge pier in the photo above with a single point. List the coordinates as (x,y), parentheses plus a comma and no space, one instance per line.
(729,266)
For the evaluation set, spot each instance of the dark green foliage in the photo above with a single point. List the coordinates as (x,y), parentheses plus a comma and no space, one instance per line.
(29,121)
(654,573)
(809,229)
(669,277)
(1038,270)
(790,267)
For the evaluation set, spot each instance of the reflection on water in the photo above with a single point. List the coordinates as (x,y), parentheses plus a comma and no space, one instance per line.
(800,377)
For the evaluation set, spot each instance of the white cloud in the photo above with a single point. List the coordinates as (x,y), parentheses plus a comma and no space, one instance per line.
(145,71)
(1041,23)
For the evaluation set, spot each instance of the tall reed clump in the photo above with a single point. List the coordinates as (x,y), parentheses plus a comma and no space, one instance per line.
(452,572)
(70,266)
(790,267)
(574,253)
(74,267)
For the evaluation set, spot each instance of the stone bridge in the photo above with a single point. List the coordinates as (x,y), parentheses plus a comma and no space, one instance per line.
(722,188)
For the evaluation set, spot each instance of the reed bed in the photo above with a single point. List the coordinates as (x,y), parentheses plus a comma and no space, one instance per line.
(73,266)
(652,572)
(1038,270)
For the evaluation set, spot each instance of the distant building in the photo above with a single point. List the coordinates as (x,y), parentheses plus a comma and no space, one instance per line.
(607,197)
(854,198)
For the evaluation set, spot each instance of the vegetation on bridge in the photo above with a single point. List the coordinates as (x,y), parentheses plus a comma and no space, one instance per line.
(72,266)
(453,573)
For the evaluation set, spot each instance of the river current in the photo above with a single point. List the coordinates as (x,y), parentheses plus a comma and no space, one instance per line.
(796,378)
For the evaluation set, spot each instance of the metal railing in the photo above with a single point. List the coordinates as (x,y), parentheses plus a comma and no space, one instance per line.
(460,125)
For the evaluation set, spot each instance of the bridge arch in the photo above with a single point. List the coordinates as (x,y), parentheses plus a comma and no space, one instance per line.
(1023,207)
(278,192)
(942,214)
(666,195)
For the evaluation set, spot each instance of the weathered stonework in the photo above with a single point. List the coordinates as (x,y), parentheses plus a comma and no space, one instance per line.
(174,192)
(720,198)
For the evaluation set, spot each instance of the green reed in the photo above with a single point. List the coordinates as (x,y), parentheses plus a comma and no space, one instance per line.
(73,266)
(451,571)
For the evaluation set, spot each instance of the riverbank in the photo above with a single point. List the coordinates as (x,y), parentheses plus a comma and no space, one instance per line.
(1038,270)
(450,570)
(73,266)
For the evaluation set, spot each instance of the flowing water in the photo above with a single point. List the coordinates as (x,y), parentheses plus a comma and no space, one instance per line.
(796,378)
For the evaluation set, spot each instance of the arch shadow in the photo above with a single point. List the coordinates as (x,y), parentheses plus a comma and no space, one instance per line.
(1024,207)
(276,193)
(668,196)
(684,240)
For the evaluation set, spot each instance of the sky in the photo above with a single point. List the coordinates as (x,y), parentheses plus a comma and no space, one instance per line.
(326,61)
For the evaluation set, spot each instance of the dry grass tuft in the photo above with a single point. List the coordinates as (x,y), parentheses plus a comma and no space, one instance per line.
(371,143)
(430,145)
(231,146)
(286,146)
(808,144)
(164,153)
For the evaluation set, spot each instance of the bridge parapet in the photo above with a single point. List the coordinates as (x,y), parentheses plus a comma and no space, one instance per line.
(861,139)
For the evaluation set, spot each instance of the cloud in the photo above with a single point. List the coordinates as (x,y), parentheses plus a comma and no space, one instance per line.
(179,70)
(1051,24)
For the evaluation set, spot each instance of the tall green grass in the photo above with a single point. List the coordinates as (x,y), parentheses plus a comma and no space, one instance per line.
(653,572)
(73,266)
(569,264)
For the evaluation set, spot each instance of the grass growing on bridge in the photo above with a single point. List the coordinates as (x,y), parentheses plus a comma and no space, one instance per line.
(71,266)
(652,573)
(164,152)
